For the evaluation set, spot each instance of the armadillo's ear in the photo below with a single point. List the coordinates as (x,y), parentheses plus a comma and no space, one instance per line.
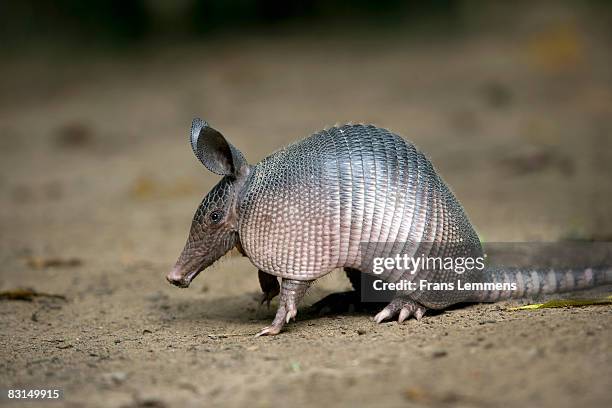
(216,153)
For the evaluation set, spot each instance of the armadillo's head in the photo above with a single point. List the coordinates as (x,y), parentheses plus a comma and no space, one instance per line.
(214,229)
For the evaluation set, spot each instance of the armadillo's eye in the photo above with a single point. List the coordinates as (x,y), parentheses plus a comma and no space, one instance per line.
(216,216)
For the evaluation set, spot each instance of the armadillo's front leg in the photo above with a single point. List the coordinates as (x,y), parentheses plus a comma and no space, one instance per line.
(269,286)
(291,293)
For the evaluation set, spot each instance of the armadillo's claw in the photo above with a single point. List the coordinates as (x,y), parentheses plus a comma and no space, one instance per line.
(412,309)
(419,312)
(291,313)
(390,310)
(404,314)
(403,306)
(382,315)
(269,331)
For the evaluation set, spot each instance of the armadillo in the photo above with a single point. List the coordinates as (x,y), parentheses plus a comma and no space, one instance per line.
(307,209)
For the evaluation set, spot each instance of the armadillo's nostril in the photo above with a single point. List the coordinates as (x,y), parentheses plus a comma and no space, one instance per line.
(175,277)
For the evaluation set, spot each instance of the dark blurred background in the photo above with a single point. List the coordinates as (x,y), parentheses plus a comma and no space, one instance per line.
(119,23)
(124,23)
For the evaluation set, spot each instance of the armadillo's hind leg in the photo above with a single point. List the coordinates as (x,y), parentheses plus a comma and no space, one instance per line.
(291,293)
(403,307)
(269,286)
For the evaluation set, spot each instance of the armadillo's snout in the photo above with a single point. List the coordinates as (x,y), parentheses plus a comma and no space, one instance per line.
(178,278)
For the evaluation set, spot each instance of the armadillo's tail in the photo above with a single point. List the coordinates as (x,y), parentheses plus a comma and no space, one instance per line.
(506,283)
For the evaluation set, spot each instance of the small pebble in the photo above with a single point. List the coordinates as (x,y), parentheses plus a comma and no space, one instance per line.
(437,353)
(487,321)
(117,377)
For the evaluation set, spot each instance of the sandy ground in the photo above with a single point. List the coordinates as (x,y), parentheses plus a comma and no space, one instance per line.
(98,186)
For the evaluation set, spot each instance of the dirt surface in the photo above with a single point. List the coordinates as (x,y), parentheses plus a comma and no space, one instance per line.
(98,186)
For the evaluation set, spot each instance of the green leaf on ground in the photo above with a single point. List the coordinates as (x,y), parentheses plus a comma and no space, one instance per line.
(565,303)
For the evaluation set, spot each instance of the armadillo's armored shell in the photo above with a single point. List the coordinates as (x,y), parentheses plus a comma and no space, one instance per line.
(308,207)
